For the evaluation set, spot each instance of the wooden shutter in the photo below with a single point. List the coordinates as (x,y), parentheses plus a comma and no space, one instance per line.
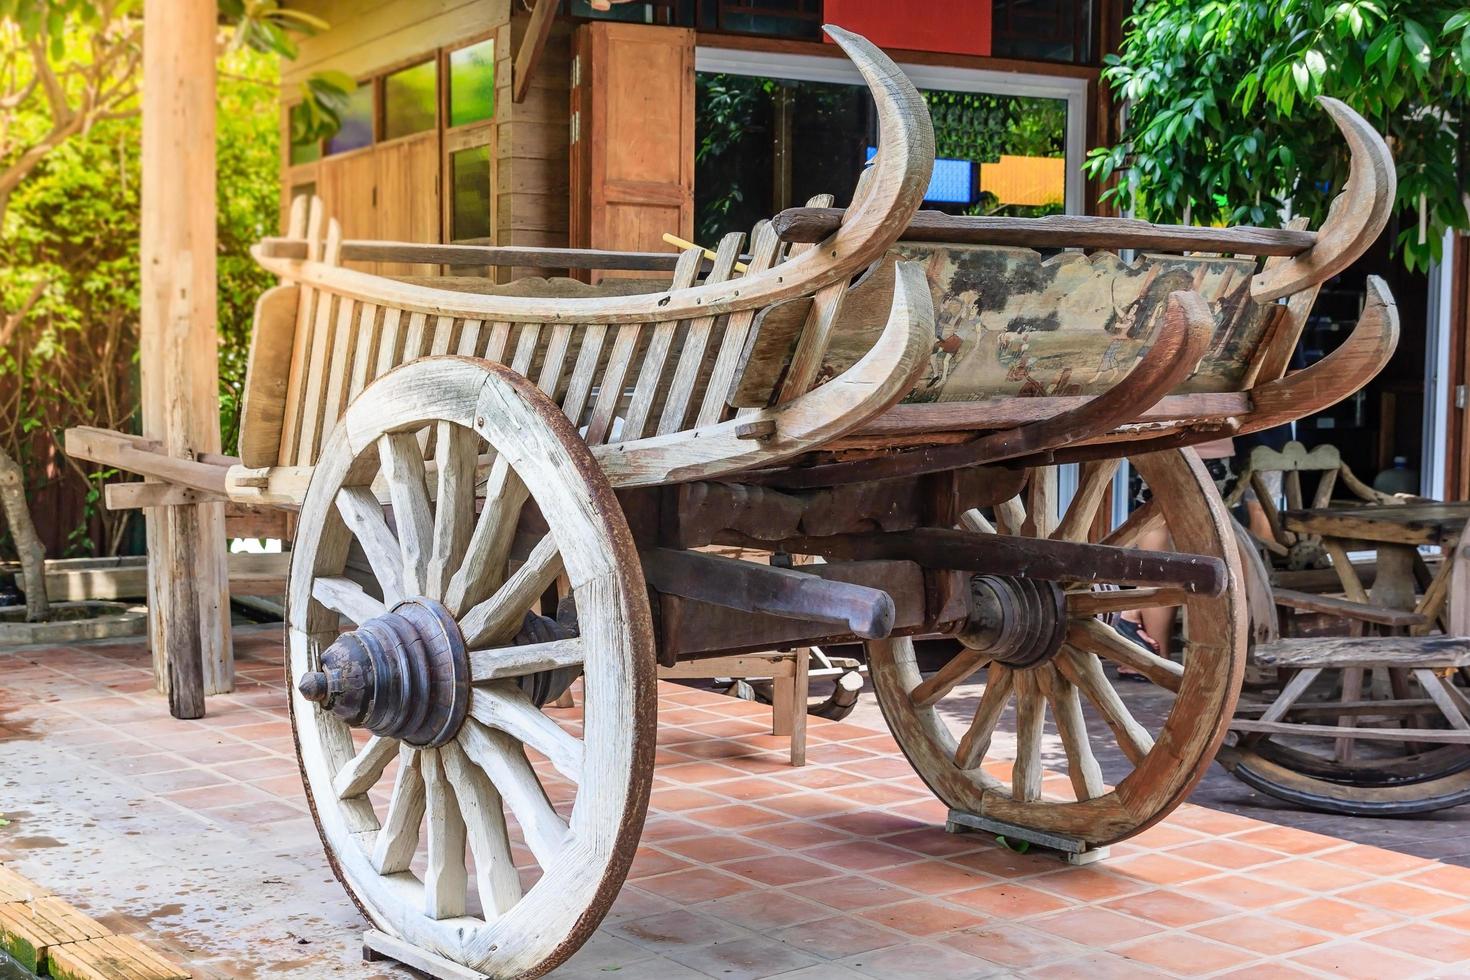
(408,196)
(632,150)
(347,186)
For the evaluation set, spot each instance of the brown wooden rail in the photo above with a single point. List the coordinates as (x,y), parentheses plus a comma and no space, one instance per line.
(1060,231)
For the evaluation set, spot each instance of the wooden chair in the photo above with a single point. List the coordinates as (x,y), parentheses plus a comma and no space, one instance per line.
(1288,549)
(1309,749)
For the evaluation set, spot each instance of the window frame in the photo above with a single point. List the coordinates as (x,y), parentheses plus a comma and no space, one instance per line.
(468,136)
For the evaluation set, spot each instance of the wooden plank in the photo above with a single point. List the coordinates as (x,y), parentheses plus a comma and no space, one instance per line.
(1414,523)
(1059,231)
(263,404)
(1346,608)
(29,930)
(112,958)
(1435,735)
(1436,652)
(189,621)
(17,888)
(145,457)
(1008,412)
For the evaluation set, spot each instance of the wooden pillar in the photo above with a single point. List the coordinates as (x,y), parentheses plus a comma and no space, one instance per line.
(188,580)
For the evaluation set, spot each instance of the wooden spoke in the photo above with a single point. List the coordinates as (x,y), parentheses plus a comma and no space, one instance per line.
(499,617)
(505,707)
(483,568)
(1101,639)
(1092,487)
(1010,516)
(973,520)
(1289,695)
(959,667)
(1030,720)
(1066,711)
(1147,516)
(1041,503)
(1193,572)
(403,470)
(445,877)
(489,665)
(362,770)
(495,871)
(1085,671)
(503,760)
(1090,603)
(1446,698)
(976,741)
(396,842)
(342,595)
(456,452)
(363,514)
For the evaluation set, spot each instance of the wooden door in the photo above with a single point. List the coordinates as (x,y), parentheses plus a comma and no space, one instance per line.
(347,185)
(408,195)
(632,151)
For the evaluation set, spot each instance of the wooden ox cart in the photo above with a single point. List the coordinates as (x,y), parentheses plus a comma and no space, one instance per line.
(502,487)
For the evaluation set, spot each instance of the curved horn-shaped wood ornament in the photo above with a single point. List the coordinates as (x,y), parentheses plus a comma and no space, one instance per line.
(1355,218)
(894,189)
(1355,362)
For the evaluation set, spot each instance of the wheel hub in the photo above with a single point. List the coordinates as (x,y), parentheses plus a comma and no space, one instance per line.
(404,674)
(1020,622)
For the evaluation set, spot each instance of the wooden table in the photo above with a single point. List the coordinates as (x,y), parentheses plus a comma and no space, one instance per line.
(1396,532)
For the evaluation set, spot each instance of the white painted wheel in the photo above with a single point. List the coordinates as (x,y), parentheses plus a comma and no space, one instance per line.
(498,841)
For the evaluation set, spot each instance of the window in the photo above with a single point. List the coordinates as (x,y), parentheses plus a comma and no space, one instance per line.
(469,175)
(410,100)
(764,144)
(302,150)
(357,122)
(472,84)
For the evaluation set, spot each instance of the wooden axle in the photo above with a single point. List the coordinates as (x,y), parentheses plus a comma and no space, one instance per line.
(755,588)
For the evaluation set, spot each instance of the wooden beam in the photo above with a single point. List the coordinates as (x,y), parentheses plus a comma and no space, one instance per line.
(1060,231)
(188,580)
(537,31)
(476,253)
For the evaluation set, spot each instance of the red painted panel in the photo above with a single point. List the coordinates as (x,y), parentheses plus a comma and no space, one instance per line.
(953,27)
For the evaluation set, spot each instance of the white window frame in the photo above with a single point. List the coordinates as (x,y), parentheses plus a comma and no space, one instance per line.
(816,68)
(1435,438)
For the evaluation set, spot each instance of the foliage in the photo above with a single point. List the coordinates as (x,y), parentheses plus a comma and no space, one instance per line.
(72,232)
(1221,125)
(270,27)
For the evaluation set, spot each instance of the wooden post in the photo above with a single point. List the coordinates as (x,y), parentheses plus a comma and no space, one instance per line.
(188,580)
(1459,597)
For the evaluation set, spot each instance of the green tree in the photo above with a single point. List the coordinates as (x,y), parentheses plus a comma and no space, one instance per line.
(1221,124)
(69,77)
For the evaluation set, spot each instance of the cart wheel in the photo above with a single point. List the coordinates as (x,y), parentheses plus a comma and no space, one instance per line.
(1379,779)
(414,718)
(1062,646)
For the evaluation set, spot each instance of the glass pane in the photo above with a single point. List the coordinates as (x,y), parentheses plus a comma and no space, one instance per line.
(357,122)
(763,144)
(472,83)
(410,100)
(302,151)
(469,173)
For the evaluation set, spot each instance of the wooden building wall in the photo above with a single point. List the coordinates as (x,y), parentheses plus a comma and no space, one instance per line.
(529,140)
(531,149)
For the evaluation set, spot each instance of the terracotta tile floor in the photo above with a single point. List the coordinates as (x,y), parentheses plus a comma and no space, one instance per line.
(195,834)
